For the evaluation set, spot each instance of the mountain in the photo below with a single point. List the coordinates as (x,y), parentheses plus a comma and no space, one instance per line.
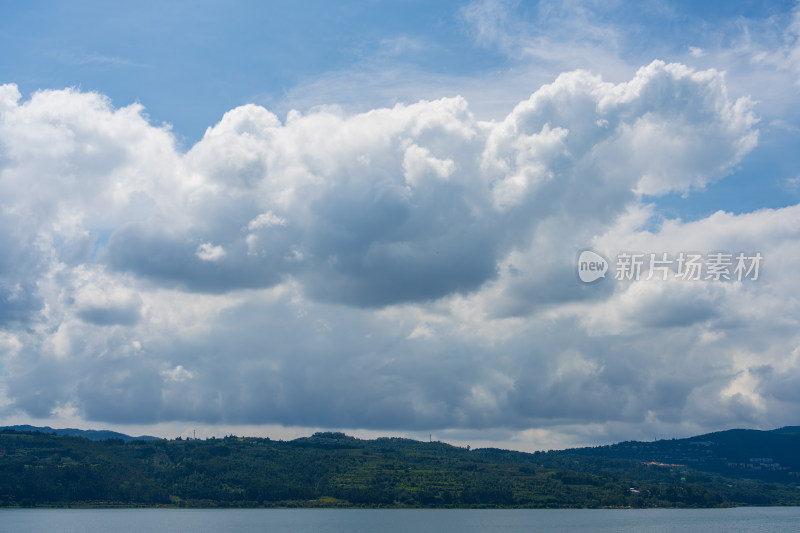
(737,453)
(336,470)
(90,434)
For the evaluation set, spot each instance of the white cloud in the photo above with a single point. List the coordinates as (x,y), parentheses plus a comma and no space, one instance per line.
(210,252)
(418,162)
(696,51)
(10,346)
(177,374)
(783,54)
(407,268)
(266,220)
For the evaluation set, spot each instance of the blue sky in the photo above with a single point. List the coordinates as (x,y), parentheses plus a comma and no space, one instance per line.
(190,62)
(261,217)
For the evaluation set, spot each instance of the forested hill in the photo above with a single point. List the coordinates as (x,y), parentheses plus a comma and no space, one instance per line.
(738,453)
(91,434)
(332,469)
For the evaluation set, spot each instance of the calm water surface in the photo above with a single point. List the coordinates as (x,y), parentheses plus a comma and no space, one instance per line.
(750,519)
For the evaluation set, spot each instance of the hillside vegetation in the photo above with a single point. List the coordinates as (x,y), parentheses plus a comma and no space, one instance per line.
(332,470)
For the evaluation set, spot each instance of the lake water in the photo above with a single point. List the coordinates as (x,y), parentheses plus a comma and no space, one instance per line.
(750,519)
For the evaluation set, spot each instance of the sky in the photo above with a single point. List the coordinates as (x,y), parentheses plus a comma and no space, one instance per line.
(274,218)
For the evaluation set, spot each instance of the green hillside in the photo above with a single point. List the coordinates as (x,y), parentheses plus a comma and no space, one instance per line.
(90,434)
(332,469)
(738,453)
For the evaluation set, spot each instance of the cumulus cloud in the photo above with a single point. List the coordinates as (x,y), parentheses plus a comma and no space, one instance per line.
(395,205)
(407,268)
(209,252)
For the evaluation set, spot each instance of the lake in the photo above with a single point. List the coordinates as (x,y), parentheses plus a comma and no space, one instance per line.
(760,519)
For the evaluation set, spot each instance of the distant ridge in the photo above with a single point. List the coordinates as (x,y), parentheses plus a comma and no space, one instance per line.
(39,467)
(768,455)
(91,434)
